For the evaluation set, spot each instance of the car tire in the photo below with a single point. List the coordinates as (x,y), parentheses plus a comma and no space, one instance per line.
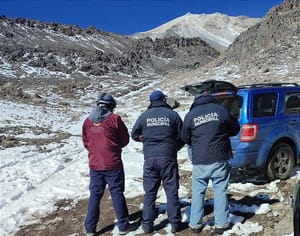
(281,162)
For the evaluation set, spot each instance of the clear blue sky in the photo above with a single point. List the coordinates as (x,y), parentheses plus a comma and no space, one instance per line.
(127,16)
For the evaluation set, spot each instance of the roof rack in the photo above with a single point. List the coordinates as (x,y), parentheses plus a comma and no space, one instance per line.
(268,85)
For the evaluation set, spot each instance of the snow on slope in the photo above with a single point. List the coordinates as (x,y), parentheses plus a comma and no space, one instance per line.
(216,29)
(32,180)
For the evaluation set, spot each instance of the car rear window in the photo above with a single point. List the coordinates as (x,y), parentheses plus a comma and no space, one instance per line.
(264,104)
(292,103)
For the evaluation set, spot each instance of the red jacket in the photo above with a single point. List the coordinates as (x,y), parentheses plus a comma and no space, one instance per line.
(104,142)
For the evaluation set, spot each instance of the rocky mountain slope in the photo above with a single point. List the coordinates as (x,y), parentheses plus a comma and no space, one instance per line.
(267,52)
(279,29)
(32,49)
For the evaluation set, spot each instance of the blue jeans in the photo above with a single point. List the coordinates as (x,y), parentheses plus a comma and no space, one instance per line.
(157,170)
(116,184)
(219,173)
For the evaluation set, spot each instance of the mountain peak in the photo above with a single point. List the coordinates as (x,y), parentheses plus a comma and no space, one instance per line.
(217,29)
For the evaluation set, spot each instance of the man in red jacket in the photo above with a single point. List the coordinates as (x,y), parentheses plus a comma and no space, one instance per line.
(104,134)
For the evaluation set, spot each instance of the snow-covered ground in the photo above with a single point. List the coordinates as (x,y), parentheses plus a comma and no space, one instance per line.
(33,178)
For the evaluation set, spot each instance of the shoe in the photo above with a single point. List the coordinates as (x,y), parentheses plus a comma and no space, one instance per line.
(197,230)
(222,229)
(147,229)
(89,233)
(131,227)
(176,227)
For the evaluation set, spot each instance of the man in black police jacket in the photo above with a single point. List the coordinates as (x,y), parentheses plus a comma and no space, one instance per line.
(207,128)
(159,129)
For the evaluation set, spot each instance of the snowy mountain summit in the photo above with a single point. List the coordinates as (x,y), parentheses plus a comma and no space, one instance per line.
(218,30)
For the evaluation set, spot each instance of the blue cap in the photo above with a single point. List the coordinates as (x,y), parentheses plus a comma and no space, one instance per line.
(156,96)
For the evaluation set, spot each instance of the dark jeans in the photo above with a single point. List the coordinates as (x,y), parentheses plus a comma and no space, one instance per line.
(98,180)
(157,170)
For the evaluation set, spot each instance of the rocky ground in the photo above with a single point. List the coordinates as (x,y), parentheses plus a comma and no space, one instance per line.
(69,217)
(277,222)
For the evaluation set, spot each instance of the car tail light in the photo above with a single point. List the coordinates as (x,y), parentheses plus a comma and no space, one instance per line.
(249,132)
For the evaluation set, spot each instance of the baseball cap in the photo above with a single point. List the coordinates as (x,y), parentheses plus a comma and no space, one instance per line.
(106,99)
(156,96)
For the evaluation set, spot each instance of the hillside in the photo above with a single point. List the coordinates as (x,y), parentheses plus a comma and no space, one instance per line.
(267,52)
(37,50)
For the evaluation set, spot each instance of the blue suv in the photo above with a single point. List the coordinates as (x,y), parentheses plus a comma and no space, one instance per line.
(269,116)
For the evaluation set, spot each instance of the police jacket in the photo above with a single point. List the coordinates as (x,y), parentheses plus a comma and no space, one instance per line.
(159,129)
(104,134)
(207,128)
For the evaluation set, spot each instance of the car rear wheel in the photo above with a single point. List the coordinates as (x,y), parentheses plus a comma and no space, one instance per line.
(281,162)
